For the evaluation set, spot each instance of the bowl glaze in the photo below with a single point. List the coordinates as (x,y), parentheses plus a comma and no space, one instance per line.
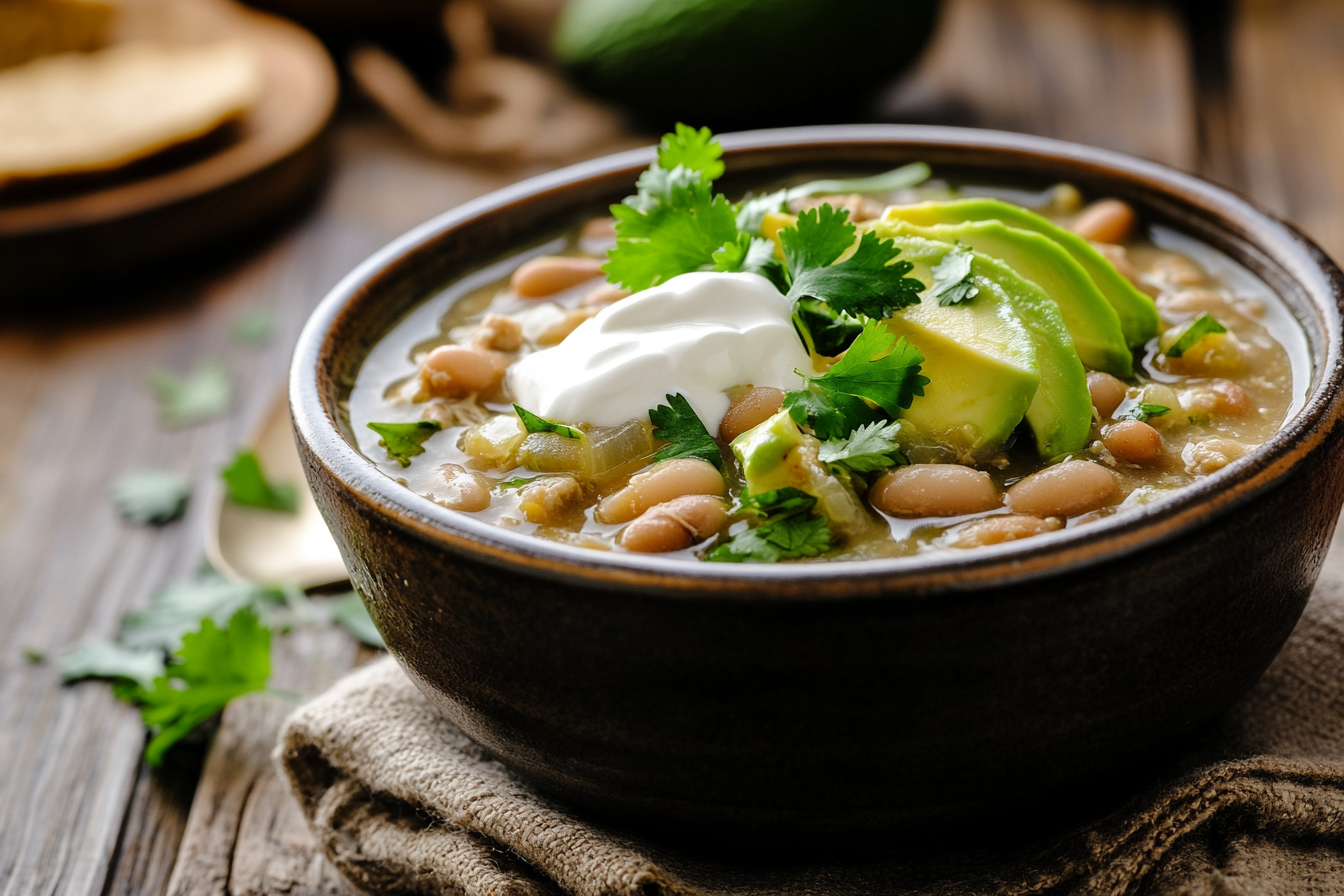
(844,702)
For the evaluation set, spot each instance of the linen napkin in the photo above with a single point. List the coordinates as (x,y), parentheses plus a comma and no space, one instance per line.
(402,802)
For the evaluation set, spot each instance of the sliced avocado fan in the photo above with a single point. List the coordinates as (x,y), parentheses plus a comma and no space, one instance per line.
(1137,312)
(1092,322)
(1060,414)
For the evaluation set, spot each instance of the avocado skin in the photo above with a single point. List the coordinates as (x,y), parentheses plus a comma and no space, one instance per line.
(740,63)
(1060,415)
(1137,312)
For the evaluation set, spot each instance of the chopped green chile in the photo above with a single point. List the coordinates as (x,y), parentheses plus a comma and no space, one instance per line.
(604,450)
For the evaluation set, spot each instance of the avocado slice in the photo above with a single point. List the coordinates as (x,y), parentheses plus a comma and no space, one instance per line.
(980,360)
(1092,322)
(1060,415)
(1138,314)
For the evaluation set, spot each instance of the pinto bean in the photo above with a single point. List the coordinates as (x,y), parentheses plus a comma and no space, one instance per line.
(751,408)
(463,489)
(559,331)
(1133,442)
(675,525)
(550,274)
(1106,221)
(1107,392)
(603,295)
(934,490)
(599,229)
(661,483)
(455,370)
(1069,489)
(998,529)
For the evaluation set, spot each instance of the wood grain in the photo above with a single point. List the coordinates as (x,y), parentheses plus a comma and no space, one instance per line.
(1111,74)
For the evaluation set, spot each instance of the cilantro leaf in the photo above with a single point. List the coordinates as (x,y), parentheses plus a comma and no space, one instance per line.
(404,441)
(787,533)
(679,425)
(246,484)
(872,369)
(1143,412)
(751,212)
(694,149)
(533,423)
(514,483)
(658,187)
(869,282)
(102,659)
(822,330)
(214,666)
(1202,326)
(151,496)
(867,449)
(746,253)
(254,326)
(180,606)
(205,393)
(348,611)
(655,246)
(952,278)
(778,502)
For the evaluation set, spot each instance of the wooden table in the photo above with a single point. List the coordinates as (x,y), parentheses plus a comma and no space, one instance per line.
(1252,97)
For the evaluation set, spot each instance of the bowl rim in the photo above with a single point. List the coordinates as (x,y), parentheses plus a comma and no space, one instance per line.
(1317,277)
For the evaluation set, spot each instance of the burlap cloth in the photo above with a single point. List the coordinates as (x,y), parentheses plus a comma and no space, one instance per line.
(402,802)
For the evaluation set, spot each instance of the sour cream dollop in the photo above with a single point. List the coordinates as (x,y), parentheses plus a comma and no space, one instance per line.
(698,334)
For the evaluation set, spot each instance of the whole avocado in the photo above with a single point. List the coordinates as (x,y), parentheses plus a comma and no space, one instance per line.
(741,63)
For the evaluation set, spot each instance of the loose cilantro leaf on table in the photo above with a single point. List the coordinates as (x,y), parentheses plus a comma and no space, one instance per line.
(788,531)
(103,659)
(180,606)
(205,393)
(254,326)
(348,611)
(1144,412)
(1204,325)
(952,278)
(677,423)
(246,483)
(823,330)
(151,496)
(867,449)
(214,665)
(867,282)
(404,441)
(747,254)
(533,423)
(877,368)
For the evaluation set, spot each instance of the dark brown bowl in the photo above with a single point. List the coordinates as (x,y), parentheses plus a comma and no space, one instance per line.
(834,701)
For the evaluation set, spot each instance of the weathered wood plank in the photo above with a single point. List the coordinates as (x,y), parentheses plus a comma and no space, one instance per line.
(1103,72)
(77,415)
(1287,103)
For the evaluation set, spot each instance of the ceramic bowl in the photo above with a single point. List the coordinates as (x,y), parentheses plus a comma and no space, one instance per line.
(838,702)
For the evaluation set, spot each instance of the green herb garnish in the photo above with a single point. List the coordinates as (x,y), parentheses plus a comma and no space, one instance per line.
(823,330)
(748,254)
(404,441)
(246,483)
(1202,326)
(868,449)
(675,224)
(205,393)
(515,483)
(254,326)
(952,279)
(788,531)
(533,423)
(213,666)
(677,424)
(869,282)
(876,368)
(151,496)
(102,659)
(1144,412)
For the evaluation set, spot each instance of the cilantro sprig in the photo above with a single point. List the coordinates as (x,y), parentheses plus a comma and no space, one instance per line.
(203,394)
(867,449)
(952,279)
(151,496)
(1200,327)
(533,423)
(1144,412)
(876,368)
(788,531)
(869,282)
(823,330)
(404,441)
(677,424)
(245,483)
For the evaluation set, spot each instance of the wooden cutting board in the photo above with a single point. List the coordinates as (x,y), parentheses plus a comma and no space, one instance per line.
(59,245)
